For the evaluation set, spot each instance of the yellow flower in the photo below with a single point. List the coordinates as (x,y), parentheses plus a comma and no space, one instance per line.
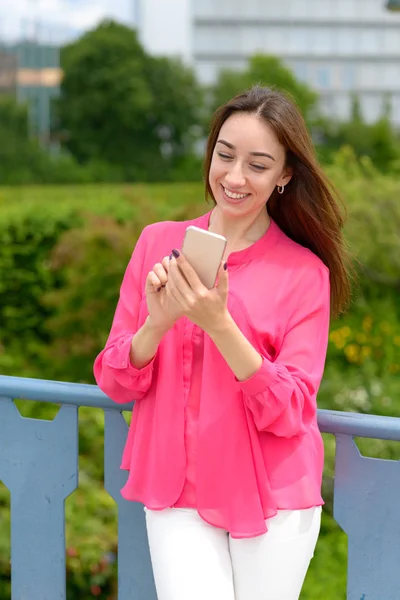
(352,352)
(333,336)
(336,338)
(361,338)
(366,351)
(385,327)
(367,323)
(345,331)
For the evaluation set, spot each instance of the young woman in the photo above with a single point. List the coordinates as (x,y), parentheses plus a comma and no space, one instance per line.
(224,449)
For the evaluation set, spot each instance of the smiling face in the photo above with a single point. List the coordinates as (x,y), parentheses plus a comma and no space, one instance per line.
(248,163)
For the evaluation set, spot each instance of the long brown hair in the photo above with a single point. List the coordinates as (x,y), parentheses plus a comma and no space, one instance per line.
(310,210)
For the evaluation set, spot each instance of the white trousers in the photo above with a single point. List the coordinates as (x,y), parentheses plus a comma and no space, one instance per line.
(193,560)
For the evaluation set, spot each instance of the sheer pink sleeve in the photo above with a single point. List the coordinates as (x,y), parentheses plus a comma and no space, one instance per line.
(113,370)
(282,394)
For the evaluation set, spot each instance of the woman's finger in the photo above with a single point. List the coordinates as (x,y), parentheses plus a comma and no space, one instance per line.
(189,273)
(161,273)
(223,279)
(178,279)
(153,281)
(165,263)
(174,290)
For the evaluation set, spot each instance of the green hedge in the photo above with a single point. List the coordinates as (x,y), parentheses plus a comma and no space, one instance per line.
(63,252)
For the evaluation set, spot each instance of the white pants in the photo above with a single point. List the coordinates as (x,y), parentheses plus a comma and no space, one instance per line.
(196,561)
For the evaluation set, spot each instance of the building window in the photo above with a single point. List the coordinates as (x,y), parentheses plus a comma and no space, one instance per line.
(396,109)
(300,69)
(347,41)
(323,77)
(298,40)
(323,40)
(327,104)
(369,75)
(345,9)
(390,76)
(372,106)
(369,41)
(392,41)
(348,79)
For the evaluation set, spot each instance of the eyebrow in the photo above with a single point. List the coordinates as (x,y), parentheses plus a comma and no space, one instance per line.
(232,147)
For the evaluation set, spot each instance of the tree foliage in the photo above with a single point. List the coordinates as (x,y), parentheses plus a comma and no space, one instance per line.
(121,106)
(269,71)
(19,155)
(24,161)
(378,141)
(125,115)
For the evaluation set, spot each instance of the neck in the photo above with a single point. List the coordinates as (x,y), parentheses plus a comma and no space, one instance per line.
(240,232)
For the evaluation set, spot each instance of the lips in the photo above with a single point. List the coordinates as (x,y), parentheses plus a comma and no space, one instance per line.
(235,200)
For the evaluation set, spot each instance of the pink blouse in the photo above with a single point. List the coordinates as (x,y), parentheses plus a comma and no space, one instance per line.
(188,497)
(256,447)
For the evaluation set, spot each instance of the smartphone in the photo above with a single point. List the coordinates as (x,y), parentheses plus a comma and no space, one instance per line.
(204,251)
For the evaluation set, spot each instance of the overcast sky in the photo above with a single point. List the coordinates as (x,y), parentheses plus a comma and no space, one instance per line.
(59,20)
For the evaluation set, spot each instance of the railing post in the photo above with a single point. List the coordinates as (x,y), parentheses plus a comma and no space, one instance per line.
(135,577)
(366,507)
(39,466)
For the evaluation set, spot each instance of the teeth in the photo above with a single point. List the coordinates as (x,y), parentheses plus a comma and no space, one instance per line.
(234,196)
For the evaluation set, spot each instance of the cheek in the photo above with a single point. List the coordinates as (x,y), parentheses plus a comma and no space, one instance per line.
(215,173)
(265,186)
(270,179)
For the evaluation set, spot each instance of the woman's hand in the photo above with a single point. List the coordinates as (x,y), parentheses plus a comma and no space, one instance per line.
(205,308)
(163,310)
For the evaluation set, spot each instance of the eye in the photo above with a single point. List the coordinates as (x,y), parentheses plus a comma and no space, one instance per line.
(224,156)
(258,167)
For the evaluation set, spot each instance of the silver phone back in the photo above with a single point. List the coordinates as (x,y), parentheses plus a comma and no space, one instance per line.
(204,251)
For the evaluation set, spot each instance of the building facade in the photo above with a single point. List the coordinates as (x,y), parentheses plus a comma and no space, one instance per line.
(8,73)
(31,72)
(339,47)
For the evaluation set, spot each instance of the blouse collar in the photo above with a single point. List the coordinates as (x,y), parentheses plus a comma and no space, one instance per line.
(261,246)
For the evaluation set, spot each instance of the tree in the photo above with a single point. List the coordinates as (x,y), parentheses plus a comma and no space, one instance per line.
(379,141)
(23,160)
(20,157)
(178,105)
(121,106)
(269,71)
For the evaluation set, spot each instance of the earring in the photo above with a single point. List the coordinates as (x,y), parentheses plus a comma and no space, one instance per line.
(281,189)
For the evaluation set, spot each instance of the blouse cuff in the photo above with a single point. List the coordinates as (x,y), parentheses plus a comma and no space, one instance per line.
(262,379)
(118,357)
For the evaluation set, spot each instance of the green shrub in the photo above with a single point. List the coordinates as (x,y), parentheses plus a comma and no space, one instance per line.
(62,257)
(27,236)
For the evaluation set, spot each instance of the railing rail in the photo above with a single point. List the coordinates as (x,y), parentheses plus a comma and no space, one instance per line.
(81,394)
(39,466)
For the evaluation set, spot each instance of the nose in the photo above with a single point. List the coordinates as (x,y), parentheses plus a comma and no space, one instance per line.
(234,176)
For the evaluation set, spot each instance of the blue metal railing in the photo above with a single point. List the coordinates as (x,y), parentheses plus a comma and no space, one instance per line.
(39,466)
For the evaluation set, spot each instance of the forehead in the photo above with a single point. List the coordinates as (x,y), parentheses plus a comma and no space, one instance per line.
(251,133)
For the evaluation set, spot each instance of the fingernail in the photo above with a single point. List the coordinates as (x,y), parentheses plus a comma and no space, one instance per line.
(225,266)
(159,289)
(176,253)
(171,256)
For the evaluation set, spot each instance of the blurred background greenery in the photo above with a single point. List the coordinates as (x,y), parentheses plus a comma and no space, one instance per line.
(69,223)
